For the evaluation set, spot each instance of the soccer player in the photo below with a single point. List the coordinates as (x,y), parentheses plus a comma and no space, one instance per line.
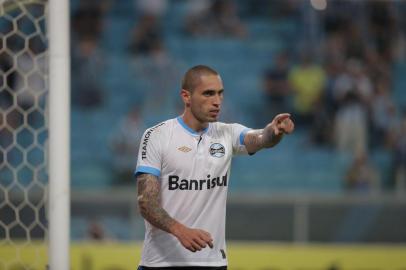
(183,172)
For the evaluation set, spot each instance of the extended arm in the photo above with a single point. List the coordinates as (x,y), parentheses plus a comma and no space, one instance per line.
(269,136)
(150,208)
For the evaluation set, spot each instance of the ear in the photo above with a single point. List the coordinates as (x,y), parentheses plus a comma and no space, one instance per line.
(186,95)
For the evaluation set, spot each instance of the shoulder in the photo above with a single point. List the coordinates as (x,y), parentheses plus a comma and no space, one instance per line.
(219,126)
(159,129)
(222,125)
(225,128)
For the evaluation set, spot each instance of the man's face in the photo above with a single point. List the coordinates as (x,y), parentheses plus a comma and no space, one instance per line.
(206,98)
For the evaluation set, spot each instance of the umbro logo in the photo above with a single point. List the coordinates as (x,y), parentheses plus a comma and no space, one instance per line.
(184,149)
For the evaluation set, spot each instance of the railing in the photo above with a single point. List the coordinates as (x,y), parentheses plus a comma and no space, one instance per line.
(296,217)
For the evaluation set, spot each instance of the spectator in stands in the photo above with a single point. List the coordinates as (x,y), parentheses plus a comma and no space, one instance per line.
(350,124)
(147,36)
(382,26)
(87,20)
(322,127)
(322,124)
(276,86)
(124,145)
(354,78)
(87,57)
(220,18)
(362,176)
(334,68)
(353,93)
(383,114)
(307,81)
(87,67)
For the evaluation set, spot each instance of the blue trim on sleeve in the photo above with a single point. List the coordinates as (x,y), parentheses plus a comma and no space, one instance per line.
(146,169)
(242,135)
(188,129)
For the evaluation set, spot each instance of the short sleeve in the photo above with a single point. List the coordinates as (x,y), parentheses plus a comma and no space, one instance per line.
(149,154)
(238,133)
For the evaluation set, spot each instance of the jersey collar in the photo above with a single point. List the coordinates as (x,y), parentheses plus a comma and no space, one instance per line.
(188,129)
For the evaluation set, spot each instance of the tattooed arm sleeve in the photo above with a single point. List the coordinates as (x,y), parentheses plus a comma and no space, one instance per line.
(149,202)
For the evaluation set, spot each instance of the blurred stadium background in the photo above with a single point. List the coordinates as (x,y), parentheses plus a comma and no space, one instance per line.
(330,196)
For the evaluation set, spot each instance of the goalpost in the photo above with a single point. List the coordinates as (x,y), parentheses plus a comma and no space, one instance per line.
(59,122)
(34,134)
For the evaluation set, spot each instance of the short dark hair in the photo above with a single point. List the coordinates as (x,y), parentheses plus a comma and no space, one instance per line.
(192,77)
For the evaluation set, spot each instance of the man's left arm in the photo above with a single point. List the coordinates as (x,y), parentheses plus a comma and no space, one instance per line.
(269,136)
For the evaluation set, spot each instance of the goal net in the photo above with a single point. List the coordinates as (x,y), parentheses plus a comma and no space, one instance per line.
(23,134)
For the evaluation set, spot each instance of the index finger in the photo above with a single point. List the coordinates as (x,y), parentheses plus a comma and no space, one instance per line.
(282,116)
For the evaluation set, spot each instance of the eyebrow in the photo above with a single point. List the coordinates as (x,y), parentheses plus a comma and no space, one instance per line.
(213,90)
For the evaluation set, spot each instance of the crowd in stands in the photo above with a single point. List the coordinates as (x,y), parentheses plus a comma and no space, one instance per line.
(340,91)
(345,98)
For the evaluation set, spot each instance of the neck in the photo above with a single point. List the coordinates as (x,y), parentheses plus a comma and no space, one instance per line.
(193,123)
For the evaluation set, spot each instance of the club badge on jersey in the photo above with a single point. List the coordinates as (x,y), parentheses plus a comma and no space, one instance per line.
(217,150)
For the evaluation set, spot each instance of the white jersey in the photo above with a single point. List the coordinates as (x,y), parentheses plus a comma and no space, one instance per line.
(194,172)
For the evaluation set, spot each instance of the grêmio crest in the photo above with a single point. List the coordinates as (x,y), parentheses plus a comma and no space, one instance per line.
(217,150)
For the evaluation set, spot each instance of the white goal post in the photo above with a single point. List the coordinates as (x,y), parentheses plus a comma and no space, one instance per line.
(59,139)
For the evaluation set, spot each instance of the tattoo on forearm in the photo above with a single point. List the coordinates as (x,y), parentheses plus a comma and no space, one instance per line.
(260,138)
(253,138)
(149,202)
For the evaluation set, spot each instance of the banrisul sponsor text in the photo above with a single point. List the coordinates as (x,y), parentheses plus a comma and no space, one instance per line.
(175,182)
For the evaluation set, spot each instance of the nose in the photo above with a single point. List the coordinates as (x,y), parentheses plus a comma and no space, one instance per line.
(217,100)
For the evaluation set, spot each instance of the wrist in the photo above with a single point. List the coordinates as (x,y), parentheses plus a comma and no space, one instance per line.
(268,135)
(176,228)
(271,139)
(277,137)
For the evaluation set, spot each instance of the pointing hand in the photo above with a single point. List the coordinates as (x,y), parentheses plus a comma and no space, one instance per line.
(282,124)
